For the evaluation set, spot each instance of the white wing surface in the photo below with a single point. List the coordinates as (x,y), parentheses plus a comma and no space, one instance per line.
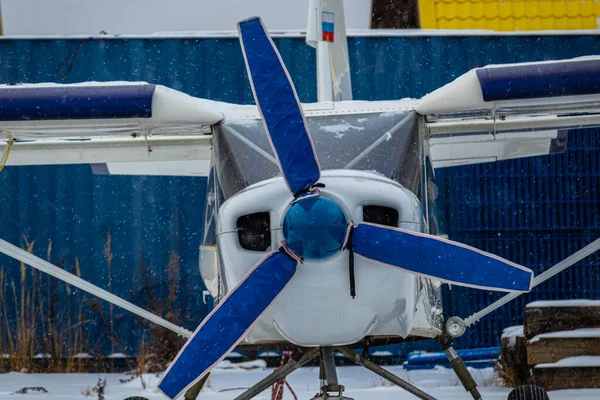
(511,111)
(128,126)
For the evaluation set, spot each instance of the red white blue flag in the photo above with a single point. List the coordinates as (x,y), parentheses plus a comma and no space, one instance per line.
(327,23)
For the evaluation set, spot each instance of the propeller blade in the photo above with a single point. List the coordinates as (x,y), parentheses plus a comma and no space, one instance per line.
(228,323)
(279,106)
(438,258)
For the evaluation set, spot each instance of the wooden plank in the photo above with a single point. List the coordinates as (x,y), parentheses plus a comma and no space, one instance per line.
(542,318)
(567,378)
(512,365)
(553,349)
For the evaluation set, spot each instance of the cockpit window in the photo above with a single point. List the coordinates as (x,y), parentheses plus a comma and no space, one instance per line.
(384,143)
(435,214)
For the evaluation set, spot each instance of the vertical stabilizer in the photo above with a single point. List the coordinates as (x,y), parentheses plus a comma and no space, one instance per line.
(326,32)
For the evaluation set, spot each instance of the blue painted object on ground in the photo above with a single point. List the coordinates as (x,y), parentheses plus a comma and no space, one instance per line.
(476,358)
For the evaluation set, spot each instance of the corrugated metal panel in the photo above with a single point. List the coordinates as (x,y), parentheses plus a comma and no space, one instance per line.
(532,211)
(535,212)
(511,15)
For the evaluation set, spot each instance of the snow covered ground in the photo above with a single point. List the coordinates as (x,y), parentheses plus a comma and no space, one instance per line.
(228,383)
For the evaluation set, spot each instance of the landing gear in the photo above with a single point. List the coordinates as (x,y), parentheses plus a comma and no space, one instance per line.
(300,357)
(459,367)
(194,391)
(331,389)
(385,374)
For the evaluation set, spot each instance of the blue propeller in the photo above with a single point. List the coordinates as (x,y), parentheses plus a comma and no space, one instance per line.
(315,227)
(441,259)
(284,121)
(227,325)
(279,106)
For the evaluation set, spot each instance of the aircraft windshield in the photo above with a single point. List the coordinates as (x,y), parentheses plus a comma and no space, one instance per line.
(384,143)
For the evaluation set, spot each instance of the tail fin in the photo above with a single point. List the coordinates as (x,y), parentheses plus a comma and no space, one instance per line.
(326,32)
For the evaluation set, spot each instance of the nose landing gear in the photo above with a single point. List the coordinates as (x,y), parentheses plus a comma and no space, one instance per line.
(331,389)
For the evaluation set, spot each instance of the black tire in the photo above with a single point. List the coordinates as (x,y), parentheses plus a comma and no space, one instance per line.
(528,392)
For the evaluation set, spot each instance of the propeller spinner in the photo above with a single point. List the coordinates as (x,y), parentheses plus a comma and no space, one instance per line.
(315,227)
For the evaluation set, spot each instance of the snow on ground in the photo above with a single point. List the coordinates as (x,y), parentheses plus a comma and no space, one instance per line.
(226,384)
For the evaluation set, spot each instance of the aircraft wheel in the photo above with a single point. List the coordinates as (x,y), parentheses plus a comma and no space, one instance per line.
(528,392)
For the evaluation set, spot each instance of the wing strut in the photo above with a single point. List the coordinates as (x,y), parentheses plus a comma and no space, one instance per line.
(544,276)
(44,266)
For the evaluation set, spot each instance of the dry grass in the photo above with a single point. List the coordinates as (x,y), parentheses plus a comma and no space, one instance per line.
(50,317)
(162,344)
(507,376)
(39,327)
(158,345)
(109,257)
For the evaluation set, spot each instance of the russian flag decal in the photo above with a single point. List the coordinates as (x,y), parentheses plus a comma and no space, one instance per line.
(328,21)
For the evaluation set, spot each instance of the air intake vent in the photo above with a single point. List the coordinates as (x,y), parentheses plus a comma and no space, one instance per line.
(380,215)
(254,231)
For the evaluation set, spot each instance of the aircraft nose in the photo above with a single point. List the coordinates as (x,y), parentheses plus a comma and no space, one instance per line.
(315,227)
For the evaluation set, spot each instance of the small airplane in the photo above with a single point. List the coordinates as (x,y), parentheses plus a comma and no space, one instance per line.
(321,228)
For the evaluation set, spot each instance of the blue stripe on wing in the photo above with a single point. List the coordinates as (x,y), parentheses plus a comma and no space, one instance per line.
(441,259)
(276,97)
(75,102)
(566,78)
(227,325)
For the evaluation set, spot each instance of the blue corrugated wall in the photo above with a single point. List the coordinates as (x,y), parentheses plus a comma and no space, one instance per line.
(534,211)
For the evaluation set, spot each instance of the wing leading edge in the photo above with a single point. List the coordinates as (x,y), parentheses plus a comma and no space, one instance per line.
(488,114)
(510,111)
(129,126)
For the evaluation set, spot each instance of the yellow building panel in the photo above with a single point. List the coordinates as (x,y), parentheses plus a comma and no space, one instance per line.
(559,11)
(572,9)
(590,23)
(595,7)
(533,24)
(509,15)
(585,7)
(505,10)
(479,23)
(518,9)
(427,14)
(477,10)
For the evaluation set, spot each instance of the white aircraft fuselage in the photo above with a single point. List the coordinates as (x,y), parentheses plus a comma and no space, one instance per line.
(316,308)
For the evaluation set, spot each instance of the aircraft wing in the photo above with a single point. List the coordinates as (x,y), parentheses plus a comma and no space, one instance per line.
(510,111)
(118,127)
